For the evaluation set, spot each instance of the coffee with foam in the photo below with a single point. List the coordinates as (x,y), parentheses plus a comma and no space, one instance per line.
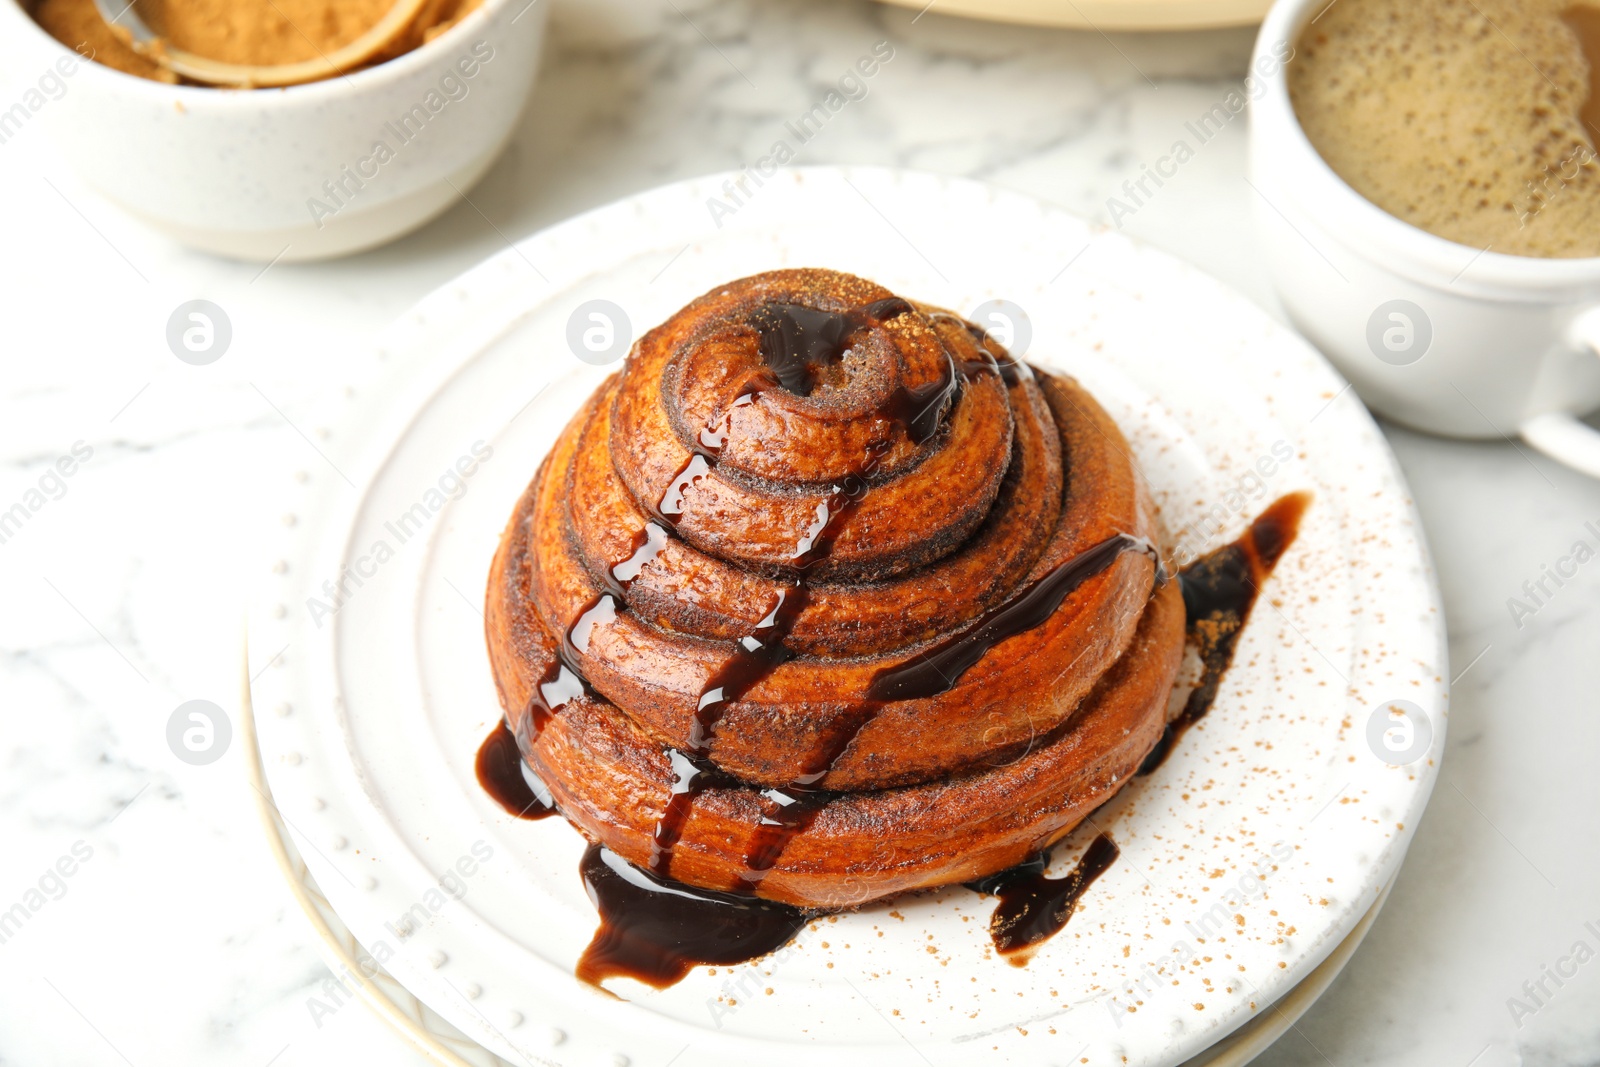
(1475,120)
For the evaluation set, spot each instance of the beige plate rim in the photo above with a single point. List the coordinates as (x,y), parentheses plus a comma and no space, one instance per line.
(1103,14)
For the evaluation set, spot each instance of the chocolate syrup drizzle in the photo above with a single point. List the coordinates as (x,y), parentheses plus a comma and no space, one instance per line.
(1219,590)
(655,929)
(938,669)
(504,776)
(1033,908)
(563,682)
(1011,371)
(794,342)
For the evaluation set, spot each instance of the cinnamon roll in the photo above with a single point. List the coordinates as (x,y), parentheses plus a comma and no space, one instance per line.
(824,597)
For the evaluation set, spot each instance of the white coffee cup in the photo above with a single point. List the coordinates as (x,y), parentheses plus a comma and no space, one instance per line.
(1440,336)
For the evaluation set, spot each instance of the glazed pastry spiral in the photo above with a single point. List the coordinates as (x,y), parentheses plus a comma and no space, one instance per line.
(824,597)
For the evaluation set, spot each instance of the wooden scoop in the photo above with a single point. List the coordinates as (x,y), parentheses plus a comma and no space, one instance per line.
(119,14)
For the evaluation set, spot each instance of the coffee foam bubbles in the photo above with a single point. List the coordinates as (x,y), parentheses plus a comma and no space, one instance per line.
(1461,117)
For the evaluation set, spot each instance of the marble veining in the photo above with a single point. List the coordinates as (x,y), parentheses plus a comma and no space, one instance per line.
(173,943)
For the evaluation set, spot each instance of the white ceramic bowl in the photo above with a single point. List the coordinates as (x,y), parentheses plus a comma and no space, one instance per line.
(292,172)
(1450,339)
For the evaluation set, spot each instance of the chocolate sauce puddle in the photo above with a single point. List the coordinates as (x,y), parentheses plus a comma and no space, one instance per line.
(656,931)
(503,775)
(1219,589)
(1034,908)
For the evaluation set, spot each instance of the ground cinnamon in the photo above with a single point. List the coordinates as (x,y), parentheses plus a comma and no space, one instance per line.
(246,32)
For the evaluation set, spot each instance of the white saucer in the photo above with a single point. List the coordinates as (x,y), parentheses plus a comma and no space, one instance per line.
(380,705)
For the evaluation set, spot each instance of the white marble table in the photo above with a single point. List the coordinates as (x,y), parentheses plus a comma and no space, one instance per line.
(173,942)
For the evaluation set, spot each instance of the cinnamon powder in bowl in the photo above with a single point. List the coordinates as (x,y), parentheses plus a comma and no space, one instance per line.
(245,32)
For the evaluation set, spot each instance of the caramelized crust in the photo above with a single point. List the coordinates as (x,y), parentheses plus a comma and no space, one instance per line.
(610,780)
(908,494)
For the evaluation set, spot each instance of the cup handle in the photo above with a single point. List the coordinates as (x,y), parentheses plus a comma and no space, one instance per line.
(1562,436)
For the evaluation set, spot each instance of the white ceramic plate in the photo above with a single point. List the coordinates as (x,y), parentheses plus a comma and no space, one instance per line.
(381,704)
